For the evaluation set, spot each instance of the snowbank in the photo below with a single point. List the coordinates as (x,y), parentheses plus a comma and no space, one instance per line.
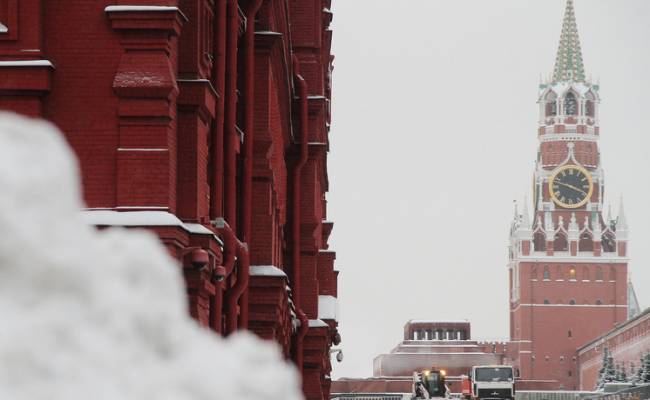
(101,315)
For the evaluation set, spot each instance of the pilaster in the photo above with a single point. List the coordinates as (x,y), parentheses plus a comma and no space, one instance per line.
(145,83)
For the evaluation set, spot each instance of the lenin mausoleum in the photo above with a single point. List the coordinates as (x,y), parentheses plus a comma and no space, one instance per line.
(571,299)
(206,122)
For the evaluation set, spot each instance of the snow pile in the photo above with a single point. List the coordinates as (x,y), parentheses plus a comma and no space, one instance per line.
(102,315)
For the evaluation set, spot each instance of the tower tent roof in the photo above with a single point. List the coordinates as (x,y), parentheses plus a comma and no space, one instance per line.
(568,63)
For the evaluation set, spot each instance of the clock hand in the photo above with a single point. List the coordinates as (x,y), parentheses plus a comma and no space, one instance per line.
(572,187)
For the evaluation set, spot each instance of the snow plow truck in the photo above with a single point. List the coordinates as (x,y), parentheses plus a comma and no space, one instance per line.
(430,384)
(489,382)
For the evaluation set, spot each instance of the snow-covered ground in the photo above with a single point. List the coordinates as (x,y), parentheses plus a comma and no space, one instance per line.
(102,315)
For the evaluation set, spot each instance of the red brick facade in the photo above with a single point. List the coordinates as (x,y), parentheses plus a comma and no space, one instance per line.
(626,344)
(207,122)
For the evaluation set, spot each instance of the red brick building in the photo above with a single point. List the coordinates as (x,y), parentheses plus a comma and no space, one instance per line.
(569,263)
(207,122)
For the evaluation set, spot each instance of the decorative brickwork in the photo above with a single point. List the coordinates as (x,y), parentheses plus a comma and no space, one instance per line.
(206,122)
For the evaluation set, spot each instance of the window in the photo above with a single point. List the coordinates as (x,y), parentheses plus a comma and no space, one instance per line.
(612,273)
(547,273)
(599,302)
(560,273)
(585,273)
(609,244)
(561,243)
(599,273)
(551,105)
(572,273)
(585,243)
(591,105)
(546,301)
(569,333)
(572,302)
(570,104)
(539,241)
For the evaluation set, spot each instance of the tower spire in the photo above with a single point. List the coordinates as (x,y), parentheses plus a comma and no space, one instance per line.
(568,63)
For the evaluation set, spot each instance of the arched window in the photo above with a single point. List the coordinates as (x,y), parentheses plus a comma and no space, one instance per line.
(599,273)
(586,243)
(560,243)
(570,104)
(560,273)
(612,273)
(547,273)
(533,272)
(572,273)
(591,105)
(585,273)
(551,105)
(539,241)
(572,302)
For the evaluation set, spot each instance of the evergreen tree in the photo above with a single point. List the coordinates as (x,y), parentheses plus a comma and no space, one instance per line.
(623,373)
(603,367)
(633,377)
(646,369)
(610,370)
(640,371)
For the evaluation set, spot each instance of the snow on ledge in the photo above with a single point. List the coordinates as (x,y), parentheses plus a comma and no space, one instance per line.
(27,63)
(142,218)
(140,8)
(317,323)
(328,307)
(266,270)
(3,28)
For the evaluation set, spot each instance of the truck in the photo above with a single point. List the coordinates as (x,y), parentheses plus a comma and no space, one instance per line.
(490,382)
(430,384)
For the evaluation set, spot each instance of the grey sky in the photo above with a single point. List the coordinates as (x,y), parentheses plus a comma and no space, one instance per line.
(434,136)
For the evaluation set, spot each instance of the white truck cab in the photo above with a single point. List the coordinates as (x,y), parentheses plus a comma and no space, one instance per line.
(494,382)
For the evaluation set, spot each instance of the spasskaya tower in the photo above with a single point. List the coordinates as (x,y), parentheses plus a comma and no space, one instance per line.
(568,262)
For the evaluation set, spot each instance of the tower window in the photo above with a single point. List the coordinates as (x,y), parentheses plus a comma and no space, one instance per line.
(572,274)
(547,273)
(599,273)
(591,110)
(572,302)
(599,302)
(585,273)
(551,105)
(569,333)
(570,104)
(546,301)
(612,274)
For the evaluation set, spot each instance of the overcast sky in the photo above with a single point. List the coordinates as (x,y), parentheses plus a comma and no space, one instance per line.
(434,136)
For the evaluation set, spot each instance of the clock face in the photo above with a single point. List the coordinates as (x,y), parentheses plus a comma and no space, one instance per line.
(571,186)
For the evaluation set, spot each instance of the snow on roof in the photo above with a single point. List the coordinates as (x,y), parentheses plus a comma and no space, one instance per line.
(142,218)
(102,314)
(317,323)
(26,63)
(266,270)
(328,307)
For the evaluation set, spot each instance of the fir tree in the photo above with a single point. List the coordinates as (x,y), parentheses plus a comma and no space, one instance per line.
(646,369)
(640,371)
(610,370)
(603,367)
(623,373)
(633,377)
